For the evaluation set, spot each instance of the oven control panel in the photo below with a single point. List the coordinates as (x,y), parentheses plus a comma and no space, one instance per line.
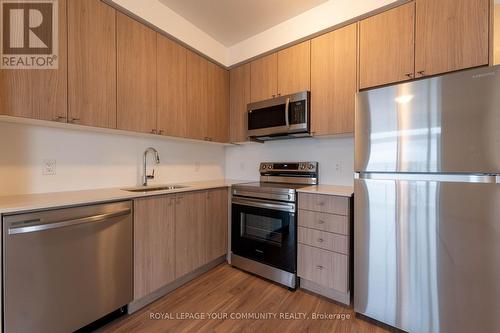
(298,167)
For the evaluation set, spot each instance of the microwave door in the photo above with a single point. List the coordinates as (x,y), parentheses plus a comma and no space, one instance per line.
(267,121)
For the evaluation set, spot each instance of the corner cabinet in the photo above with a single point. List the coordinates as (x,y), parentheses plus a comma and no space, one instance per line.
(218,104)
(333,81)
(239,79)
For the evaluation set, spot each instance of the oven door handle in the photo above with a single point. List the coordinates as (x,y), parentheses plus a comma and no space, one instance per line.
(284,207)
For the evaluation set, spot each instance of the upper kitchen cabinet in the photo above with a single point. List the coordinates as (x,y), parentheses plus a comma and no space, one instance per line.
(218,104)
(39,93)
(92,65)
(197,92)
(239,79)
(294,69)
(333,81)
(451,35)
(172,86)
(386,47)
(136,75)
(264,78)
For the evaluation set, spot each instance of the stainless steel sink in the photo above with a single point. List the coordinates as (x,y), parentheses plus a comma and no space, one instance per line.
(153,188)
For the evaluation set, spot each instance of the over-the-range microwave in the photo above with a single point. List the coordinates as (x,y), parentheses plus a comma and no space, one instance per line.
(280,118)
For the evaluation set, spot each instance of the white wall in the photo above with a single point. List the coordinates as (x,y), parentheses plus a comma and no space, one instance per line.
(172,23)
(335,157)
(87,160)
(319,18)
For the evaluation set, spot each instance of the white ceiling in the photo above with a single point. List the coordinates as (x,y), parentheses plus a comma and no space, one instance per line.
(232,21)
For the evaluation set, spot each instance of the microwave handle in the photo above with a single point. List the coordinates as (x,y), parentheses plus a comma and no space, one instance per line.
(287,113)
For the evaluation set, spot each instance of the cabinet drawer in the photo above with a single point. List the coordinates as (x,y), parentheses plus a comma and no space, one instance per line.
(325,268)
(324,203)
(322,221)
(324,240)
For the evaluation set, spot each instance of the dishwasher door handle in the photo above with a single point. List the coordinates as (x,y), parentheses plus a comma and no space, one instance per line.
(66,223)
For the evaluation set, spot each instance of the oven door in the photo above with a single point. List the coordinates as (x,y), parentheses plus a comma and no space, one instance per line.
(265,231)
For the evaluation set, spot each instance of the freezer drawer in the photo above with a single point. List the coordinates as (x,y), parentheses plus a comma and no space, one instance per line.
(427,254)
(65,268)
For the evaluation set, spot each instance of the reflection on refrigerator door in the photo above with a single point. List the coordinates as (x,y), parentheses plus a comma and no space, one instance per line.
(428,254)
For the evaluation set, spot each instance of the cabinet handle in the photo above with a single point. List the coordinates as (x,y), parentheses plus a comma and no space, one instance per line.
(321,203)
(320,240)
(161,132)
(59,118)
(321,222)
(279,94)
(421,73)
(319,267)
(409,75)
(73,120)
(274,96)
(153,131)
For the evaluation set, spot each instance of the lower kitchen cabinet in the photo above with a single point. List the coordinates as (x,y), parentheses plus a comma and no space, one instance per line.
(176,234)
(189,232)
(217,224)
(154,247)
(323,258)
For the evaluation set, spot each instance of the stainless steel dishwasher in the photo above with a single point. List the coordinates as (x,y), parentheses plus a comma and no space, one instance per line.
(65,268)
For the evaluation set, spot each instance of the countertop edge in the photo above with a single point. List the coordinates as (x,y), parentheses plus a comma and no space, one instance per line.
(43,201)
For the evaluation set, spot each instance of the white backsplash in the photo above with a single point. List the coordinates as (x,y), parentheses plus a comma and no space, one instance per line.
(87,160)
(335,156)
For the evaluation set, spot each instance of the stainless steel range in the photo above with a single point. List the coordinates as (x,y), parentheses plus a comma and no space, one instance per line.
(264,216)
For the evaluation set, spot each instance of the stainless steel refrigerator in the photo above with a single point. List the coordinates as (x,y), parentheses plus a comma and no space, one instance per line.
(427,203)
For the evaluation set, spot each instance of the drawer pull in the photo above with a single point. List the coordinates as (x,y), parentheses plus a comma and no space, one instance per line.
(321,222)
(321,203)
(319,267)
(320,240)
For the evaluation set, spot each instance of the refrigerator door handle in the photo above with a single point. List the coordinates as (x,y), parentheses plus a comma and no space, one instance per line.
(459,178)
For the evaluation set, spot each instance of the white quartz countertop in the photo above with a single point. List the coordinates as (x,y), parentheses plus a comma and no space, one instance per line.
(343,191)
(30,202)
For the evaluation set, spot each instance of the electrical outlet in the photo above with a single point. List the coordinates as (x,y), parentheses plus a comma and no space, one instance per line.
(338,167)
(49,167)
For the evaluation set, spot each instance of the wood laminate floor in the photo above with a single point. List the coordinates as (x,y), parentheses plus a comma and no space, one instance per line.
(227,291)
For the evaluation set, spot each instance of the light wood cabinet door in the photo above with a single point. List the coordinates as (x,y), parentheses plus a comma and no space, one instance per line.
(136,75)
(239,98)
(38,93)
(189,232)
(197,100)
(154,243)
(92,65)
(172,86)
(216,224)
(218,104)
(386,47)
(451,35)
(264,78)
(294,69)
(333,81)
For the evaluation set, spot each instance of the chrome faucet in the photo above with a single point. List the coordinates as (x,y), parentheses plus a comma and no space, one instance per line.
(145,176)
